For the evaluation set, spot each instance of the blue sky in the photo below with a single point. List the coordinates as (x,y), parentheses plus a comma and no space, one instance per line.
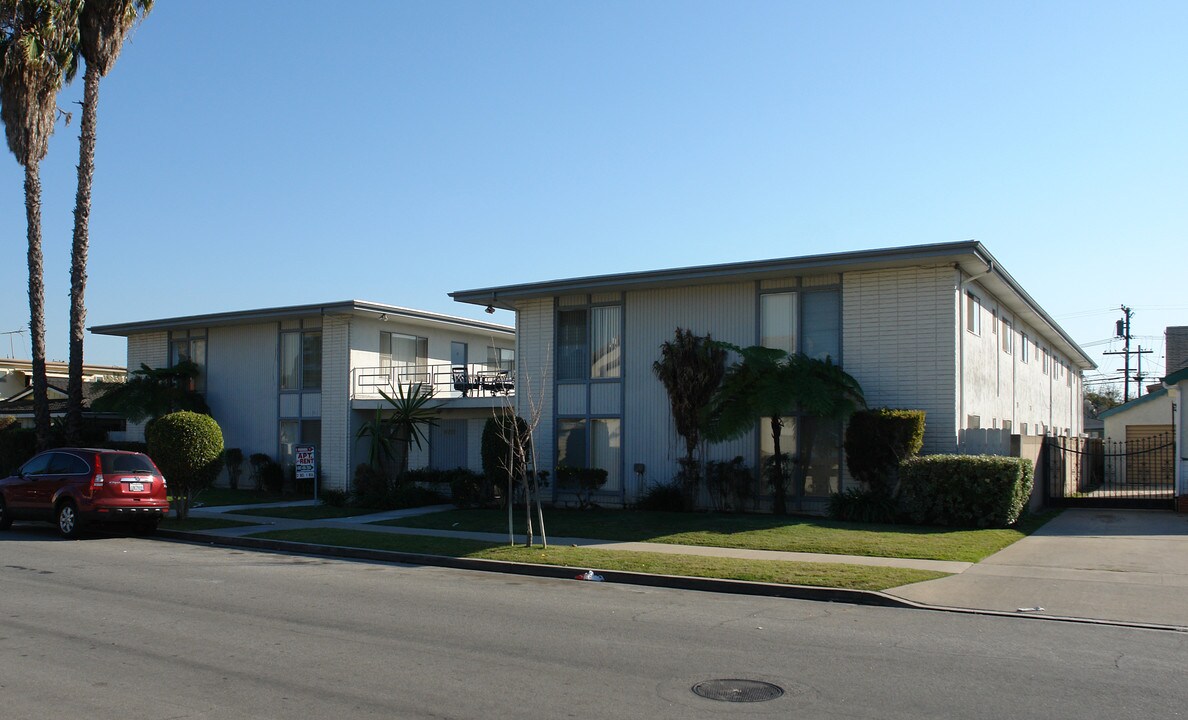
(254,154)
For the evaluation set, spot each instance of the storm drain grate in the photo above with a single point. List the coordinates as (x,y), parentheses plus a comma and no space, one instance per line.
(738,690)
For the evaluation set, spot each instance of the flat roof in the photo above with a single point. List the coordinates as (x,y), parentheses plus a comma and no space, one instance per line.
(243,317)
(969,255)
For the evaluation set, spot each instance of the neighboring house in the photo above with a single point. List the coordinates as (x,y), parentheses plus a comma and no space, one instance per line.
(16,390)
(278,377)
(1177,388)
(943,328)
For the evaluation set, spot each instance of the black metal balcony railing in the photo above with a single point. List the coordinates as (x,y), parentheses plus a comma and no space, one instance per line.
(447,381)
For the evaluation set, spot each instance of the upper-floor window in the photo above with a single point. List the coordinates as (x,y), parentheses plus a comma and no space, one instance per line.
(807,322)
(973,313)
(1044,352)
(1008,339)
(189,345)
(589,343)
(301,360)
(407,355)
(500,358)
(1023,351)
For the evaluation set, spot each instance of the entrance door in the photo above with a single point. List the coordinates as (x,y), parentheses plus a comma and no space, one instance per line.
(458,354)
(447,445)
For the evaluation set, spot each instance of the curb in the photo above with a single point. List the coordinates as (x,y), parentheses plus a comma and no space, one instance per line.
(676,582)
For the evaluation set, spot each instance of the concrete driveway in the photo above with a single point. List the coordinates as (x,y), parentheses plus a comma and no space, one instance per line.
(1120,565)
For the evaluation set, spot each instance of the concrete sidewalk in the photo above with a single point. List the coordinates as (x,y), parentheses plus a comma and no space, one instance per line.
(1124,566)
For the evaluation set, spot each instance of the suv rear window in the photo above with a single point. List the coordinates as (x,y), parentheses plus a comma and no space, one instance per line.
(127,462)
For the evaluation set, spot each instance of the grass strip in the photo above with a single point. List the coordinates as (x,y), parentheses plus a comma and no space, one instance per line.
(751,532)
(216,497)
(194,524)
(308,512)
(832,575)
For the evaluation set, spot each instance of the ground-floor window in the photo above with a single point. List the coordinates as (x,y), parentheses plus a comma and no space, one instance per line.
(592,442)
(824,470)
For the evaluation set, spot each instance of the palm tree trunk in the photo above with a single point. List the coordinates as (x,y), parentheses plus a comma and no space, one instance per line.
(41,414)
(78,256)
(780,498)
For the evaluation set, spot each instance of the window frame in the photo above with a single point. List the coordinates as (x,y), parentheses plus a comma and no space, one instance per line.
(300,336)
(973,313)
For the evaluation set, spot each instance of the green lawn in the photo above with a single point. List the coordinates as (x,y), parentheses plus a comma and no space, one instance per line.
(197,524)
(316,512)
(755,532)
(215,497)
(835,575)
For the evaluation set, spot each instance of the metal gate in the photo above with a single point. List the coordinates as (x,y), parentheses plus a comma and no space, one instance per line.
(1091,472)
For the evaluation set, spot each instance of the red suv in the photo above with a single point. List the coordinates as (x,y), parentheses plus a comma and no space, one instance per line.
(77,486)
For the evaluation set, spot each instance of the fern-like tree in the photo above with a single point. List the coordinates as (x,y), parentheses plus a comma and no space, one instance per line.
(774,384)
(38,42)
(691,368)
(412,413)
(152,392)
(103,25)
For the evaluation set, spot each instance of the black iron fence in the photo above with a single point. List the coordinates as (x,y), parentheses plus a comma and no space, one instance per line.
(1091,472)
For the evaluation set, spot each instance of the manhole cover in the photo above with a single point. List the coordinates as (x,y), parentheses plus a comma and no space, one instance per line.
(738,690)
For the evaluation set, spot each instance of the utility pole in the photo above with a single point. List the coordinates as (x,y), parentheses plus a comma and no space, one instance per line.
(1122,330)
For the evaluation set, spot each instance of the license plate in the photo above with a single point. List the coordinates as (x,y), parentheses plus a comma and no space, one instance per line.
(135,487)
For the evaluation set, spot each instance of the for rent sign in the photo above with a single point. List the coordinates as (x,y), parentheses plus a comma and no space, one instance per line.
(304,460)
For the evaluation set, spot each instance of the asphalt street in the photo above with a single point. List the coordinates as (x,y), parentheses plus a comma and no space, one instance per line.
(123,627)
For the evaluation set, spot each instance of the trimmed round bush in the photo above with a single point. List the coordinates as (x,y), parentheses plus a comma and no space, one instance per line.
(188,449)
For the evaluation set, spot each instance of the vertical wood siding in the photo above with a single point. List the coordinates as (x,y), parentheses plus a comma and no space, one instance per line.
(727,312)
(337,430)
(899,342)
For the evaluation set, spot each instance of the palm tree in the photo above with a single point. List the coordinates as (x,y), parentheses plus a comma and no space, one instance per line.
(690,368)
(38,40)
(103,26)
(773,383)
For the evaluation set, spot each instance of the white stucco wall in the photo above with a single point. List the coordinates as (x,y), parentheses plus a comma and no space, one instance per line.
(1154,410)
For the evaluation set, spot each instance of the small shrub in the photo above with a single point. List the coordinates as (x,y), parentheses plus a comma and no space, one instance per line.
(7,421)
(468,488)
(863,505)
(233,459)
(370,488)
(257,461)
(730,483)
(878,440)
(334,498)
(965,490)
(188,448)
(272,477)
(663,497)
(408,495)
(583,482)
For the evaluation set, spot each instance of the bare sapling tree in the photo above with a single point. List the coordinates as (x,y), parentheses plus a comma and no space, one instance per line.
(517,432)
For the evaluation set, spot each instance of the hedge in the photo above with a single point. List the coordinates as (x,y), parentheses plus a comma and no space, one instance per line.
(965,490)
(878,440)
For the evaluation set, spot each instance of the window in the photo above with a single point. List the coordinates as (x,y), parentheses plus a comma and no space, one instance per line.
(1022,428)
(593,442)
(499,358)
(189,346)
(1045,356)
(1008,339)
(406,355)
(973,422)
(1023,347)
(808,322)
(973,313)
(589,343)
(1006,425)
(301,360)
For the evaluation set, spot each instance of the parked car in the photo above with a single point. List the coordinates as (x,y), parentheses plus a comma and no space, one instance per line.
(75,487)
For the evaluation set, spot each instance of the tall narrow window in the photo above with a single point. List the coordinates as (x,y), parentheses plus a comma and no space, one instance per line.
(777,321)
(1023,350)
(606,449)
(973,313)
(301,360)
(606,360)
(573,349)
(190,346)
(821,334)
(1007,338)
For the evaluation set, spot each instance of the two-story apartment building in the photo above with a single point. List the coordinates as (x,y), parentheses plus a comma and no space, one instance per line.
(943,328)
(278,377)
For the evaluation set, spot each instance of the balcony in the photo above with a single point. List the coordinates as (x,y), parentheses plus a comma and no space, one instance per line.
(476,381)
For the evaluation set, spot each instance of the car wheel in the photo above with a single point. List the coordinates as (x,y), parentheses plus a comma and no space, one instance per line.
(5,518)
(68,522)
